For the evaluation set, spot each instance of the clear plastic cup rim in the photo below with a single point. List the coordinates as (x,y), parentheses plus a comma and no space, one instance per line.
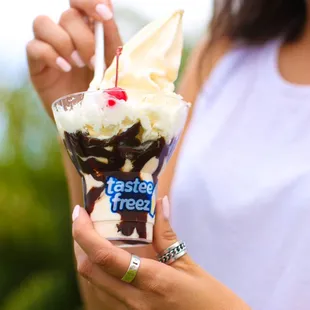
(159,93)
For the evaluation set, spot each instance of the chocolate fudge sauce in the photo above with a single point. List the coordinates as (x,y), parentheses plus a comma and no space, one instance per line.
(86,153)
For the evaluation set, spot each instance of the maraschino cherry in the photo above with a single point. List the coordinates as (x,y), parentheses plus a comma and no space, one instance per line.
(116,91)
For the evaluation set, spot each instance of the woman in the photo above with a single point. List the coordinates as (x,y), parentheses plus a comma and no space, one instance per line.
(241,187)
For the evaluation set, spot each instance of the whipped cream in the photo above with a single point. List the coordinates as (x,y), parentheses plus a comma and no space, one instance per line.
(160,116)
(148,68)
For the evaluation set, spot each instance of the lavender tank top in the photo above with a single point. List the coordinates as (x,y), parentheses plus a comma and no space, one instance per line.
(241,193)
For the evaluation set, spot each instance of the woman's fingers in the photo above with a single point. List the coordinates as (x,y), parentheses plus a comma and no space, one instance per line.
(152,277)
(98,9)
(46,30)
(114,261)
(164,236)
(73,22)
(41,54)
(102,280)
(103,11)
(105,265)
(72,39)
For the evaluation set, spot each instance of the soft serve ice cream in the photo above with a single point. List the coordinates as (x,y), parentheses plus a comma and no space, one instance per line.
(151,59)
(120,138)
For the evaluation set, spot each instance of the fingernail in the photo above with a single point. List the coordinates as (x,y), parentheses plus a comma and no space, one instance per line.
(75,213)
(77,59)
(166,207)
(93,61)
(104,11)
(63,64)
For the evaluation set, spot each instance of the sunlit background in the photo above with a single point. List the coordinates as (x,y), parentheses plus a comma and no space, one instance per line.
(36,265)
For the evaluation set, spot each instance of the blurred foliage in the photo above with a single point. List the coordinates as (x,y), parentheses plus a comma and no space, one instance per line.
(36,257)
(36,265)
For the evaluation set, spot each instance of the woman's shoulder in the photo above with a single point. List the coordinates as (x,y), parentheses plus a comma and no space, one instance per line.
(211,53)
(211,61)
(231,52)
(228,60)
(202,61)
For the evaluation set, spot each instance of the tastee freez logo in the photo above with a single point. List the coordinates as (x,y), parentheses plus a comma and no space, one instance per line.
(135,195)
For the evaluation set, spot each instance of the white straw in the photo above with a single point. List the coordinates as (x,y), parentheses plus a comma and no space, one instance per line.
(99,57)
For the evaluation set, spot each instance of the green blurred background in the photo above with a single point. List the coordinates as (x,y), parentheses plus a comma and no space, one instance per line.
(36,258)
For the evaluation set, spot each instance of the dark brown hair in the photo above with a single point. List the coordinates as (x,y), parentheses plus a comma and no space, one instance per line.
(253,22)
(257,21)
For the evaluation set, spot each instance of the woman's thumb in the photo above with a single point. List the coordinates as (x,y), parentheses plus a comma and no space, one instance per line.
(164,235)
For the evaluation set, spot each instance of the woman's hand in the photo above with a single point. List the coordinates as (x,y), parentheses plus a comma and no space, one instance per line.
(182,285)
(61,55)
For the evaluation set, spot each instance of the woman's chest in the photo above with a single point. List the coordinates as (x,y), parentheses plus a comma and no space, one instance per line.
(245,157)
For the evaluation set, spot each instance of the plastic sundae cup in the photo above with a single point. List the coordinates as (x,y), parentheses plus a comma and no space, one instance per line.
(120,147)
(121,137)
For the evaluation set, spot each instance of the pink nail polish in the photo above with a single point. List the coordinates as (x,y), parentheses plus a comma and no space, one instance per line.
(75,56)
(63,64)
(93,61)
(104,11)
(75,213)
(166,207)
